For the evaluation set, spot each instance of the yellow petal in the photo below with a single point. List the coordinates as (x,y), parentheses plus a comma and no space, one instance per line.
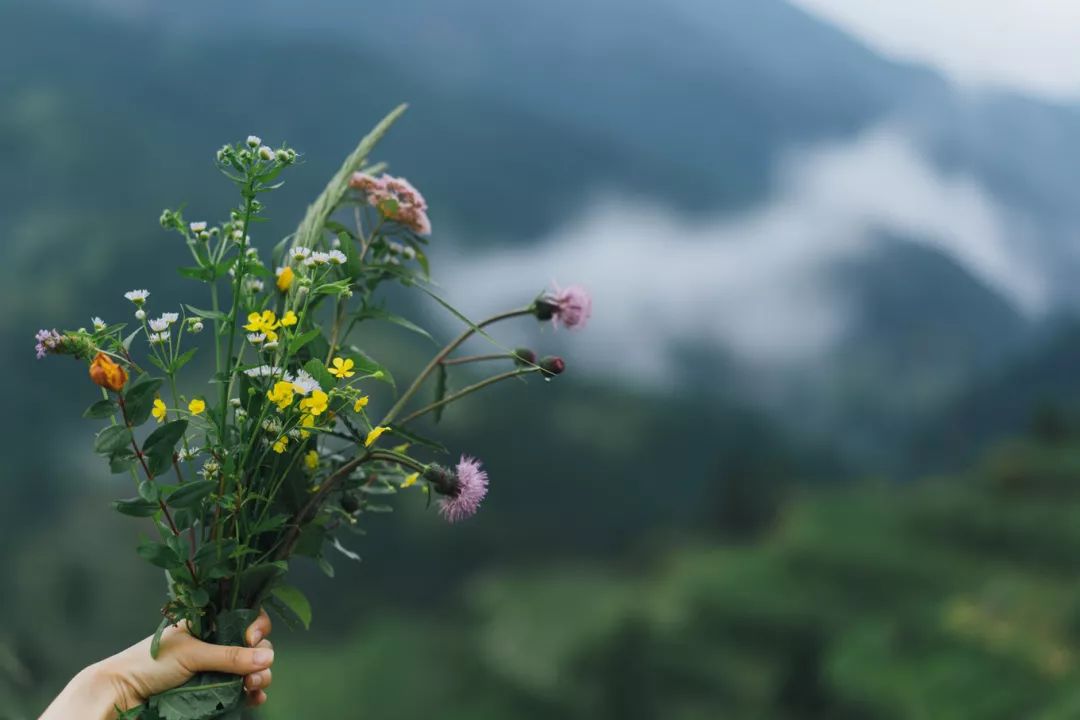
(410,480)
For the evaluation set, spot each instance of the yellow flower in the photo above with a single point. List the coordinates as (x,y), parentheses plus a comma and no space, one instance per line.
(281,444)
(401,448)
(316,404)
(342,368)
(410,479)
(288,319)
(306,421)
(284,280)
(360,404)
(159,410)
(265,323)
(196,406)
(281,394)
(311,460)
(374,435)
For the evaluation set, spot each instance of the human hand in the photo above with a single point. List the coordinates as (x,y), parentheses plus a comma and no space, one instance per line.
(129,678)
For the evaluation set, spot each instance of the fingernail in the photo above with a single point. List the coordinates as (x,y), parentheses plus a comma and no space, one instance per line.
(263,657)
(256,636)
(254,682)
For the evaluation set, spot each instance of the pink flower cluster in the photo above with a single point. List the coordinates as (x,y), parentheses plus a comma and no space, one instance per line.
(396,199)
(572,306)
(47,341)
(471,489)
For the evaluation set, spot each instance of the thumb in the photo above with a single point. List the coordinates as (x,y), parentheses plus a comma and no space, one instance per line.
(205,657)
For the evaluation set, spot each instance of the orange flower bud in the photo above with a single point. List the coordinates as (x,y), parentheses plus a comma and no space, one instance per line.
(107,374)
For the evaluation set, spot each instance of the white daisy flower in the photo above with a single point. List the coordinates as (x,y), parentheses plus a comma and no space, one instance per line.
(159,337)
(241,414)
(409,252)
(395,248)
(195,327)
(159,325)
(198,227)
(140,314)
(237,234)
(263,371)
(302,382)
(98,323)
(254,285)
(187,453)
(137,296)
(254,141)
(266,153)
(272,345)
(272,426)
(256,338)
(335,242)
(337,257)
(299,253)
(170,317)
(317,258)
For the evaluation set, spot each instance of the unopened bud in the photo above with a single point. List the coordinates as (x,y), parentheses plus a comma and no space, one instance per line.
(254,141)
(443,480)
(552,366)
(544,309)
(524,356)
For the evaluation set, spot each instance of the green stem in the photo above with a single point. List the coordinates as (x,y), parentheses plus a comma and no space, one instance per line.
(435,361)
(478,358)
(467,391)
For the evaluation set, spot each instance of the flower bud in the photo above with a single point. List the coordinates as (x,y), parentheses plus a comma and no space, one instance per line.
(140,314)
(544,309)
(254,141)
(350,503)
(552,365)
(443,480)
(266,153)
(107,374)
(524,356)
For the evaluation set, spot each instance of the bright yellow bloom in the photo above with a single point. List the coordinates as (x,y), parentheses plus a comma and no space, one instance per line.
(281,444)
(410,480)
(288,319)
(196,406)
(316,404)
(342,368)
(284,279)
(281,394)
(311,460)
(306,421)
(159,410)
(265,323)
(374,435)
(360,404)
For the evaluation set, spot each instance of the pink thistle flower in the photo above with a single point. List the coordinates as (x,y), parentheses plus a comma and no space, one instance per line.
(472,486)
(571,306)
(396,199)
(47,341)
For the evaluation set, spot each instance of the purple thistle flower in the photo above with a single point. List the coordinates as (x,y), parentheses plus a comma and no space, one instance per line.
(573,306)
(47,341)
(409,208)
(472,486)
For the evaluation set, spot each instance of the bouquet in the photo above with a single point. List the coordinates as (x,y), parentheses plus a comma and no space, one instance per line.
(282,452)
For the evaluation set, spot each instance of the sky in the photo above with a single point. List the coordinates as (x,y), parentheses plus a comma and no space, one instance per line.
(1027,45)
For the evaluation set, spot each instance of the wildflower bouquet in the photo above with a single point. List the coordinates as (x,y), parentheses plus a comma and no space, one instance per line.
(282,452)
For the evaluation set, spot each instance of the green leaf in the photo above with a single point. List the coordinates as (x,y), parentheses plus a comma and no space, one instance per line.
(112,439)
(191,494)
(202,274)
(100,409)
(418,439)
(254,580)
(374,313)
(161,445)
(295,601)
(184,359)
(159,554)
(301,340)
(208,314)
(155,644)
(367,366)
(136,507)
(205,696)
(139,398)
(318,371)
(311,227)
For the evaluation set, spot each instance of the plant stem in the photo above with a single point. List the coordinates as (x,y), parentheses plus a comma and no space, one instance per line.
(312,505)
(453,345)
(468,390)
(477,358)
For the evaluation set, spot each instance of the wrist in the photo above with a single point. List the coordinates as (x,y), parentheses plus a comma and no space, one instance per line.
(102,691)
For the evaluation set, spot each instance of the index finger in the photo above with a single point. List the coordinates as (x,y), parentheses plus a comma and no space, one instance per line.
(259,629)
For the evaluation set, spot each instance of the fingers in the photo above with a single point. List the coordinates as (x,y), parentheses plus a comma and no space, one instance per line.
(256,698)
(259,680)
(258,629)
(204,657)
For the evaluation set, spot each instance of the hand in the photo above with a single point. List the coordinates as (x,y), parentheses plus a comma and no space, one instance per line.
(129,678)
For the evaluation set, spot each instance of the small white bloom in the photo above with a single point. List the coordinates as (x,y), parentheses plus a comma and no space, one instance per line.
(335,242)
(241,414)
(204,235)
(235,402)
(254,284)
(272,426)
(140,314)
(98,323)
(299,253)
(272,345)
(251,252)
(197,227)
(237,234)
(395,248)
(187,453)
(282,156)
(303,382)
(170,317)
(317,258)
(301,291)
(254,141)
(196,327)
(266,153)
(409,252)
(294,434)
(256,338)
(137,296)
(337,257)
(159,325)
(159,337)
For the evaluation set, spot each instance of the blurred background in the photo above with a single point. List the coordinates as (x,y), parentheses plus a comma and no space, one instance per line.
(818,453)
